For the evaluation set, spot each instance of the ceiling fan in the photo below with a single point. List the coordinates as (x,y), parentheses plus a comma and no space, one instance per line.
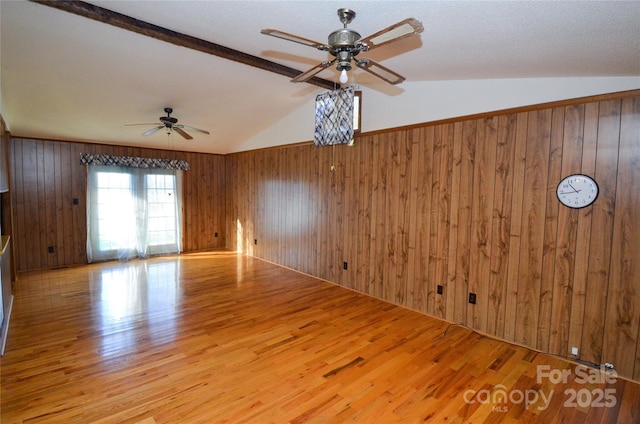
(169,123)
(345,44)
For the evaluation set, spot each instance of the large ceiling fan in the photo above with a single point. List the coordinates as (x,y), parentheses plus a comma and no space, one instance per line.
(345,44)
(169,123)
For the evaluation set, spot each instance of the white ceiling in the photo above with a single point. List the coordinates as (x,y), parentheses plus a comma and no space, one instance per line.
(71,78)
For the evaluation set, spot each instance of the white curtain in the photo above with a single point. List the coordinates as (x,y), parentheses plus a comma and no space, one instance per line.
(132,212)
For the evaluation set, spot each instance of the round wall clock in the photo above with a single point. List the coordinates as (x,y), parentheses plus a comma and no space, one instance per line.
(577,191)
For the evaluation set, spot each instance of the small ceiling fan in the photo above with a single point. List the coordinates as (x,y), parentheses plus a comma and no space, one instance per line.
(169,123)
(345,44)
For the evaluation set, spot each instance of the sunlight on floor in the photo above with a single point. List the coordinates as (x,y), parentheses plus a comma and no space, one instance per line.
(141,294)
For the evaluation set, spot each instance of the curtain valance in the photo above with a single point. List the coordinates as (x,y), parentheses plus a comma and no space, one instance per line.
(133,162)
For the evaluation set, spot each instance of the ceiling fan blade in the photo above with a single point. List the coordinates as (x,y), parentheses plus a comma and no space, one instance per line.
(186,127)
(152,130)
(380,71)
(394,32)
(311,72)
(294,38)
(182,133)
(136,125)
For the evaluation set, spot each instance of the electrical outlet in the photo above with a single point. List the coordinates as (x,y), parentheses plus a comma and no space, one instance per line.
(345,265)
(215,234)
(51,249)
(472,298)
(439,289)
(574,351)
(255,241)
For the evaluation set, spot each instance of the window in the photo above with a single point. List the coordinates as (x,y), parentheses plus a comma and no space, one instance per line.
(161,196)
(132,212)
(115,206)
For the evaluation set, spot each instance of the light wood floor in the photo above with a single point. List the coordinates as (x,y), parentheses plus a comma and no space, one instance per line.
(222,338)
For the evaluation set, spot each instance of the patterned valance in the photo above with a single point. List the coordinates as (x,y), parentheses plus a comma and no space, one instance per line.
(133,162)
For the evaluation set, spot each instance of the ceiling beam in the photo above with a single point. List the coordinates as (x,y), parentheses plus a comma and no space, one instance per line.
(141,27)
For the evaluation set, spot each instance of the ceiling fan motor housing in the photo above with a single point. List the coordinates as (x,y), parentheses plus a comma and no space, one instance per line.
(343,47)
(343,38)
(168,120)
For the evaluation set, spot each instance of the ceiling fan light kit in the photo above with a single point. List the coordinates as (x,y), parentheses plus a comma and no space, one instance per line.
(345,44)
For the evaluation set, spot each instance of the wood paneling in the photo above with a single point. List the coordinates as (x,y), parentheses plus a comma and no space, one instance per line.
(623,301)
(469,205)
(47,176)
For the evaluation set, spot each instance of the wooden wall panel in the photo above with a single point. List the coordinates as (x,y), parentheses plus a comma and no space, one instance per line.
(465,204)
(47,176)
(33,249)
(583,233)
(422,142)
(364,225)
(567,221)
(597,288)
(437,208)
(550,228)
(471,206)
(452,290)
(377,255)
(17,191)
(623,303)
(503,190)
(438,220)
(533,226)
(482,219)
(515,239)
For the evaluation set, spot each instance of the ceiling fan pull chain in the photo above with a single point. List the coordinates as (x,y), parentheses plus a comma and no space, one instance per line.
(333,158)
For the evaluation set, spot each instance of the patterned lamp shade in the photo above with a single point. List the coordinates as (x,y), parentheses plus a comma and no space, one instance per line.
(334,117)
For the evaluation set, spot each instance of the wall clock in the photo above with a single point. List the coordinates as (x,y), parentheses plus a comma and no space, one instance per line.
(577,191)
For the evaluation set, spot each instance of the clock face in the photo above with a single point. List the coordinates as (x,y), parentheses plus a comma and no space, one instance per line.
(577,191)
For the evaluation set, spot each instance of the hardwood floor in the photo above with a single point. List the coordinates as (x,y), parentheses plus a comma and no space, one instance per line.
(223,338)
